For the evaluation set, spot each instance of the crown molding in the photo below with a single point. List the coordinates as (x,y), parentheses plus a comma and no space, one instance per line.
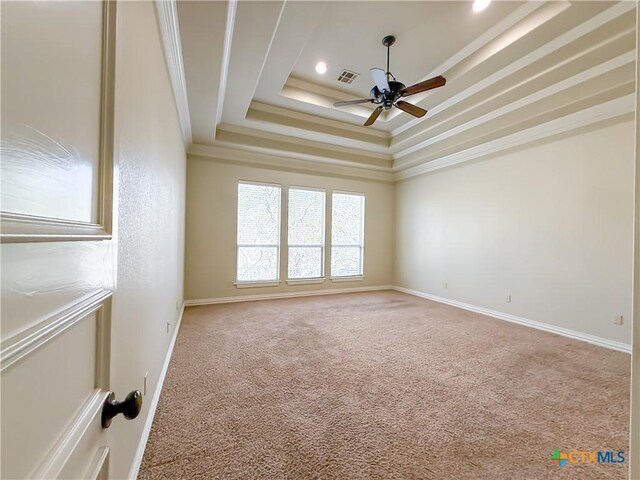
(236,154)
(539,95)
(226,55)
(167,16)
(557,43)
(288,161)
(583,118)
(265,142)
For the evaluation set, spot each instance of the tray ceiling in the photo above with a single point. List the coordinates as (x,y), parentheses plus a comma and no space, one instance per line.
(252,87)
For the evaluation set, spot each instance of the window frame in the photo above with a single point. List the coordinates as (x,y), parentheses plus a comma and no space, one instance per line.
(259,283)
(360,276)
(323,246)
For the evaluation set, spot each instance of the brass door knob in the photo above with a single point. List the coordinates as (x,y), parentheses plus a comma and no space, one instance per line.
(130,407)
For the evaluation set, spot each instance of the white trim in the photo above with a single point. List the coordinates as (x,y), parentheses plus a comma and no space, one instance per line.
(167,15)
(273,296)
(351,278)
(286,162)
(26,342)
(54,462)
(305,281)
(537,96)
(226,55)
(98,470)
(588,116)
(275,283)
(565,332)
(142,444)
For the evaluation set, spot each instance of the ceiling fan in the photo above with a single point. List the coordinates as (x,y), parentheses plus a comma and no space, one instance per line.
(387,93)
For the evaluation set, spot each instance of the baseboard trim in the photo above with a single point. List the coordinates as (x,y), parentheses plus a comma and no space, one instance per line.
(273,296)
(137,460)
(565,332)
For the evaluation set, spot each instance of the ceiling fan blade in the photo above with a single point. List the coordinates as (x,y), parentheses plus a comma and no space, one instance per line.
(412,109)
(434,82)
(380,77)
(352,102)
(374,116)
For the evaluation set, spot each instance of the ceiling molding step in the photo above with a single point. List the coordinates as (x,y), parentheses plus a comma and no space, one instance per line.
(584,28)
(589,116)
(298,155)
(226,55)
(167,16)
(298,146)
(250,46)
(585,75)
(286,122)
(583,60)
(231,154)
(377,136)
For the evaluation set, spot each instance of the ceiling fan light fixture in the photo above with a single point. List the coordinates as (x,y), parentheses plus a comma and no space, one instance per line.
(321,68)
(386,93)
(480,5)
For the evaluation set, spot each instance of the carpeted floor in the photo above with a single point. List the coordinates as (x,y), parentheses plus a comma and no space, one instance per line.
(381,385)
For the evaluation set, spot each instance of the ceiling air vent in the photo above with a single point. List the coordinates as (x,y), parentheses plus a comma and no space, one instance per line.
(347,76)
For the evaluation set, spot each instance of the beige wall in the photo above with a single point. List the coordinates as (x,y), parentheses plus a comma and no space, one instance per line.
(210,268)
(551,225)
(150,229)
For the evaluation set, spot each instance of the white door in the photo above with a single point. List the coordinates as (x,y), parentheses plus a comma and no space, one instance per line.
(58,259)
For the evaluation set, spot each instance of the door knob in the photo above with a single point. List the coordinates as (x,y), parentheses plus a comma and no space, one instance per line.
(130,407)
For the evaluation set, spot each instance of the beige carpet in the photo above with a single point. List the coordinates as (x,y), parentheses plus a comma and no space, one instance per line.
(381,385)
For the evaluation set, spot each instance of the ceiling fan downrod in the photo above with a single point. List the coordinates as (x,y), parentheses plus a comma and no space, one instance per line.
(387,42)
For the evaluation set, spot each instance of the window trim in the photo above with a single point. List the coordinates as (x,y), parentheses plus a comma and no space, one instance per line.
(268,282)
(360,276)
(323,246)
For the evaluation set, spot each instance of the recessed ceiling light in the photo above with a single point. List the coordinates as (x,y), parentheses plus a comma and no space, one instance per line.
(321,68)
(480,5)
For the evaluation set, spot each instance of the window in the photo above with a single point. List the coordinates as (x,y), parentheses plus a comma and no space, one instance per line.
(258,232)
(306,233)
(347,235)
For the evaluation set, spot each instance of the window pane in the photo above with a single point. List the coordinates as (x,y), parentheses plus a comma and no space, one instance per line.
(306,233)
(305,262)
(347,235)
(346,261)
(257,263)
(258,232)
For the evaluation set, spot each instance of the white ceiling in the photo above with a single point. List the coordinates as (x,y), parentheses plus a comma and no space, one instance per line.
(252,87)
(348,36)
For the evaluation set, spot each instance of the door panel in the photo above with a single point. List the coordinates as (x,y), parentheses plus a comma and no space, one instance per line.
(57,171)
(58,77)
(51,379)
(50,162)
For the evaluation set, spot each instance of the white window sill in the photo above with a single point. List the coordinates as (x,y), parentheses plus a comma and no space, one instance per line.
(257,284)
(305,281)
(355,278)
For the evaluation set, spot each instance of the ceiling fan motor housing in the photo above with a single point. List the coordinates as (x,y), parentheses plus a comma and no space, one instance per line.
(387,99)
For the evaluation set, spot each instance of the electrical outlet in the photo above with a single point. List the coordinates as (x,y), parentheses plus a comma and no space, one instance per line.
(177,305)
(144,385)
(508,299)
(444,285)
(618,320)
(168,323)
